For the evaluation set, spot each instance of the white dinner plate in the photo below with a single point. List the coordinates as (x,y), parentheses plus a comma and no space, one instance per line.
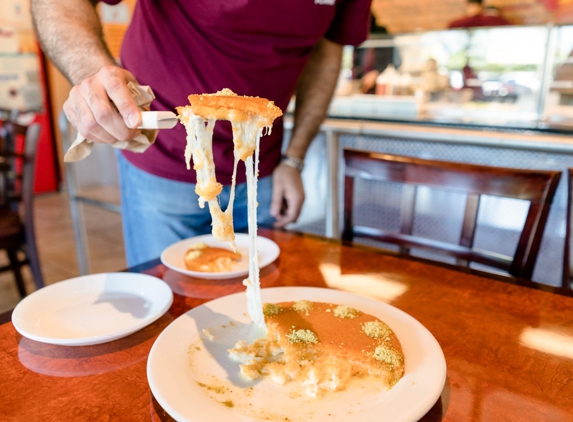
(92,309)
(173,256)
(193,379)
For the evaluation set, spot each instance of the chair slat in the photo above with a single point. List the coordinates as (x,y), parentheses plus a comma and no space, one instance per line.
(347,232)
(469,225)
(566,273)
(470,221)
(407,213)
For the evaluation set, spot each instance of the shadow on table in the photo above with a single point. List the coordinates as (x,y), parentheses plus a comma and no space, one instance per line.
(438,410)
(187,286)
(75,361)
(157,413)
(436,413)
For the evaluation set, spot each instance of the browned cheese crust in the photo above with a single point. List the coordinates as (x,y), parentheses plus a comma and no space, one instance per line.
(342,333)
(226,105)
(211,259)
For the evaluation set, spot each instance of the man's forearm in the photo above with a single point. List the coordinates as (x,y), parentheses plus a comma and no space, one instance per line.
(314,92)
(71,35)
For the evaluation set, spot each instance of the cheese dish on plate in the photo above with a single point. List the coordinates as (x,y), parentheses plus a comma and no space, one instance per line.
(193,378)
(174,256)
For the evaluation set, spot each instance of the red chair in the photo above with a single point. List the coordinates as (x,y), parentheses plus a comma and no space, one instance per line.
(536,186)
(18,145)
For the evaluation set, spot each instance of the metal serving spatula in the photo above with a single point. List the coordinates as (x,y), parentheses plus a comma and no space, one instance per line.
(158,120)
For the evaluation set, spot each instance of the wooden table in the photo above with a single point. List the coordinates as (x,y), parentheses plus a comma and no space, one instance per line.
(508,348)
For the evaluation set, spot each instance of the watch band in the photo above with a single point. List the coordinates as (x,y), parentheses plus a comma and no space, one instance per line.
(293,162)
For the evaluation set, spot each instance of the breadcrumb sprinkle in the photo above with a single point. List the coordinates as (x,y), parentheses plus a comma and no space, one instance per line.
(344,311)
(302,306)
(376,329)
(218,390)
(302,336)
(388,355)
(270,309)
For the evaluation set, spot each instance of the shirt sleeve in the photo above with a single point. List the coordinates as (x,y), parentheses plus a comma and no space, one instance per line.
(351,23)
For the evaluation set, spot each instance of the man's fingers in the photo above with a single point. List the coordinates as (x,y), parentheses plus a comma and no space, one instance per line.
(103,110)
(100,106)
(293,200)
(294,205)
(288,195)
(86,123)
(114,81)
(74,120)
(276,201)
(70,113)
(290,216)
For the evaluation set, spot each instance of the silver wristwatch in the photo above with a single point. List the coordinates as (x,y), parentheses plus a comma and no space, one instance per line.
(293,162)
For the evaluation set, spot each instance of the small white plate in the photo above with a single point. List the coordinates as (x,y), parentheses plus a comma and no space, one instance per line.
(173,256)
(92,309)
(193,379)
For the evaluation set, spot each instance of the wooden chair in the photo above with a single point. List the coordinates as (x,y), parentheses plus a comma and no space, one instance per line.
(17,168)
(537,187)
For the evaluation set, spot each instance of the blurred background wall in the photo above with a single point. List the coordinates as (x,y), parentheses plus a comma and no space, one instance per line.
(414,15)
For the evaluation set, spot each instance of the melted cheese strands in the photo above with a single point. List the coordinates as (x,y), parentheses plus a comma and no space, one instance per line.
(250,117)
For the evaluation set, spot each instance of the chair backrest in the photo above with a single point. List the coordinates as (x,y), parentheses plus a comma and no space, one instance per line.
(18,147)
(536,186)
(566,280)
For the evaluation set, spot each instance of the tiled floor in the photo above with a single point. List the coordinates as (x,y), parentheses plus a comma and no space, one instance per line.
(56,244)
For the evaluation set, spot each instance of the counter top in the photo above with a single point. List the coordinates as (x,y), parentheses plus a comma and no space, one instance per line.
(554,139)
(492,116)
(509,126)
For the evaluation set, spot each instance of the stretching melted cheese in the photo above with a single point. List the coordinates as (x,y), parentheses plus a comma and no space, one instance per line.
(251,118)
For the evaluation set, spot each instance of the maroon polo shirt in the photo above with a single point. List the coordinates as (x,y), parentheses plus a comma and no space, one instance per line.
(253,47)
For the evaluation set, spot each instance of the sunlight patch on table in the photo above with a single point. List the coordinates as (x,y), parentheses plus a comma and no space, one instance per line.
(548,342)
(372,285)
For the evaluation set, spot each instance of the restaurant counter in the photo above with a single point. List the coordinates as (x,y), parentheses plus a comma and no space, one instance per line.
(520,145)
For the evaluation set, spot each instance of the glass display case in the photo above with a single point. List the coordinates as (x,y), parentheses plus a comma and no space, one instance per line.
(518,76)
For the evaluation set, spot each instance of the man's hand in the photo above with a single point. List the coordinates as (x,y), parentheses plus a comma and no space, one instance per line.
(102,108)
(288,195)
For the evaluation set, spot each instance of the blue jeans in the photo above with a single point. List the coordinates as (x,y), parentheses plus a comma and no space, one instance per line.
(157,212)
